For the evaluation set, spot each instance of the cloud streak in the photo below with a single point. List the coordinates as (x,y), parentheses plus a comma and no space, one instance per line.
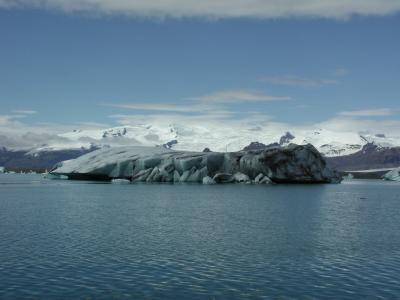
(260,9)
(297,81)
(24,112)
(214,103)
(238,96)
(379,112)
(159,107)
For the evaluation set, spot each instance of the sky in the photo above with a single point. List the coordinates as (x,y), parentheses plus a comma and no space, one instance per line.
(102,63)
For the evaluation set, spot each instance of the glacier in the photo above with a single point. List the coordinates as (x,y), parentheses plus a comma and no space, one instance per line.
(190,137)
(290,164)
(233,135)
(393,175)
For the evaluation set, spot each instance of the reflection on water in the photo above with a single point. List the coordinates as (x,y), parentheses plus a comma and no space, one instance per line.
(63,239)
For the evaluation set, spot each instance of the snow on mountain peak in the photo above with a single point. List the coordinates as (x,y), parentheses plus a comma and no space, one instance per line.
(219,138)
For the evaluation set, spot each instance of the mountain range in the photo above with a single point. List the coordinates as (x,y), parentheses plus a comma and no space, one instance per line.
(345,151)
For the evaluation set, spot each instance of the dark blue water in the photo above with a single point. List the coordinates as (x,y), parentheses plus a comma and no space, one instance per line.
(76,240)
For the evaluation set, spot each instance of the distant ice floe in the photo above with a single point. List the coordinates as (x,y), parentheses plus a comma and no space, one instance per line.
(393,175)
(54,176)
(120,181)
(290,164)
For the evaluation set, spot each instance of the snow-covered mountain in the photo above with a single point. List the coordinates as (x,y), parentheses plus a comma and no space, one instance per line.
(332,144)
(197,138)
(370,157)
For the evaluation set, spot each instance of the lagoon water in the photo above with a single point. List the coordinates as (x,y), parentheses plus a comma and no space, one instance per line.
(83,240)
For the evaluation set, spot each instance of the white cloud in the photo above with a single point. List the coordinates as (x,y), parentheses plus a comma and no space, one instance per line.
(157,118)
(5,119)
(263,9)
(259,125)
(218,130)
(13,119)
(24,111)
(10,119)
(294,80)
(244,127)
(17,134)
(379,112)
(213,103)
(182,108)
(238,96)
(345,124)
(340,72)
(92,125)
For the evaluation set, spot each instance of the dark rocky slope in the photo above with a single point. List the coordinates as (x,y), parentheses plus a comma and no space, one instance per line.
(39,162)
(369,157)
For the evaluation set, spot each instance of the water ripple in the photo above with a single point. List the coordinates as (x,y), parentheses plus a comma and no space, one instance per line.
(99,241)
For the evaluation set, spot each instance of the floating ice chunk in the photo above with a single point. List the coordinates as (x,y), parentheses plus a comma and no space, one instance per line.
(240,177)
(265,180)
(348,177)
(208,180)
(393,175)
(120,181)
(55,176)
(258,178)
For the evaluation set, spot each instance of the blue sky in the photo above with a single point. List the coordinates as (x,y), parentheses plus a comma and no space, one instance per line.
(82,65)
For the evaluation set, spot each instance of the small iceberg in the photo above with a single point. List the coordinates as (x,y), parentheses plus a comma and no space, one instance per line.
(120,181)
(52,176)
(393,175)
(348,177)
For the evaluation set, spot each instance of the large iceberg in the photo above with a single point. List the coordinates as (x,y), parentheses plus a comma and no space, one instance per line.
(290,164)
(393,175)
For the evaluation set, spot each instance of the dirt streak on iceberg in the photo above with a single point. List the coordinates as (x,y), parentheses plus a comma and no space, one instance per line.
(290,164)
